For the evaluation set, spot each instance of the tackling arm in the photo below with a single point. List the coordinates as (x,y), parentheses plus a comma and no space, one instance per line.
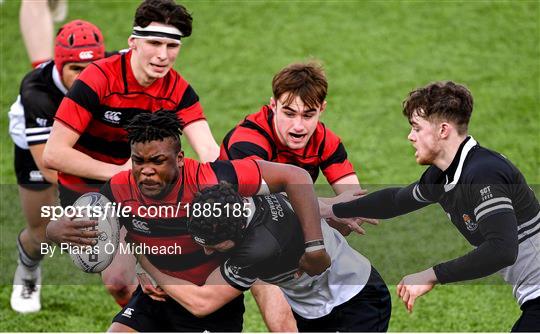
(199,300)
(201,140)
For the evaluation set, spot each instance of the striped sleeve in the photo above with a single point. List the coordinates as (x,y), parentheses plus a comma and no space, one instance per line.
(489,191)
(335,164)
(38,109)
(235,276)
(429,188)
(83,99)
(189,109)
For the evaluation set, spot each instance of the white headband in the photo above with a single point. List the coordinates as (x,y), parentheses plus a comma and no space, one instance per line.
(160,32)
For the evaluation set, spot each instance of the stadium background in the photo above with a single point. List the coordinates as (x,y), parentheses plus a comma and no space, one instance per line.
(374,54)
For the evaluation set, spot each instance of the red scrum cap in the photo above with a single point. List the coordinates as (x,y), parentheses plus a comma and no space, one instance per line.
(78,41)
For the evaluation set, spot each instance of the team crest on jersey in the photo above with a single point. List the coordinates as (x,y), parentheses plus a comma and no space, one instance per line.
(471,226)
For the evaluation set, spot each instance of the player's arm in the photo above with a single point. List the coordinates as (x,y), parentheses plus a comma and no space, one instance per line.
(297,184)
(198,300)
(499,250)
(275,310)
(60,155)
(37,154)
(202,141)
(383,204)
(71,120)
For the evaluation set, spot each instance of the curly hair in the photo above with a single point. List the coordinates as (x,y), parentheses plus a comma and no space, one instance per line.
(220,225)
(166,12)
(441,101)
(160,125)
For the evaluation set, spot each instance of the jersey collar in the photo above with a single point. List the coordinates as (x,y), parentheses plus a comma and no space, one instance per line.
(57,81)
(456,167)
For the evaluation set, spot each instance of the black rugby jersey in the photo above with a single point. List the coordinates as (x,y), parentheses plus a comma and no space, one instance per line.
(477,184)
(40,95)
(488,200)
(272,246)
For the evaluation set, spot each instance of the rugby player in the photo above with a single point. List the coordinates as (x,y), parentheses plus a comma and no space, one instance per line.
(266,245)
(162,177)
(289,130)
(485,196)
(88,144)
(31,117)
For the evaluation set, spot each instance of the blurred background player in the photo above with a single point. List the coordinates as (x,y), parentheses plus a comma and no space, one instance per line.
(31,118)
(88,144)
(36,20)
(289,130)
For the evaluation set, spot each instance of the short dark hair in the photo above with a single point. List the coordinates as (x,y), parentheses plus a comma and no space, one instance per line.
(162,124)
(217,227)
(306,80)
(166,12)
(443,100)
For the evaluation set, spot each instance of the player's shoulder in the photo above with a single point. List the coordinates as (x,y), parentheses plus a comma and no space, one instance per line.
(257,246)
(487,166)
(262,119)
(325,136)
(121,178)
(38,80)
(107,67)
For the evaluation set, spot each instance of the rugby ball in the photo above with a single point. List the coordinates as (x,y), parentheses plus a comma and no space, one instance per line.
(94,259)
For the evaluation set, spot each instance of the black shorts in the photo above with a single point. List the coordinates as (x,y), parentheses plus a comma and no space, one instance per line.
(144,314)
(368,311)
(67,196)
(27,172)
(530,318)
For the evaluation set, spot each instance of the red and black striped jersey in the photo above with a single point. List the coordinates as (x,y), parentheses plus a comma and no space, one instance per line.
(105,97)
(256,138)
(163,222)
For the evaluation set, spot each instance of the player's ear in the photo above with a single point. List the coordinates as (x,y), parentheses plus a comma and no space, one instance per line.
(323,106)
(180,159)
(131,43)
(444,130)
(273,103)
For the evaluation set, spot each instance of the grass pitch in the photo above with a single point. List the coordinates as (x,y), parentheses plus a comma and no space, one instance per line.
(374,52)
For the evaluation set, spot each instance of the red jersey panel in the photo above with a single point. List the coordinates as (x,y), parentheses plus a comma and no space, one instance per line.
(163,222)
(256,138)
(105,97)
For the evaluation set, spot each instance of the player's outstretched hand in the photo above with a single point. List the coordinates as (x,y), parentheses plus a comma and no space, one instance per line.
(65,230)
(415,285)
(314,263)
(345,226)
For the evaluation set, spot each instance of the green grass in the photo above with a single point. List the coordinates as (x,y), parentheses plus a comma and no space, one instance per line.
(374,53)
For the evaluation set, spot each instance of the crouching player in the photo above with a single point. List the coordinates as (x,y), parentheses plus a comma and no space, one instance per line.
(161,177)
(266,243)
